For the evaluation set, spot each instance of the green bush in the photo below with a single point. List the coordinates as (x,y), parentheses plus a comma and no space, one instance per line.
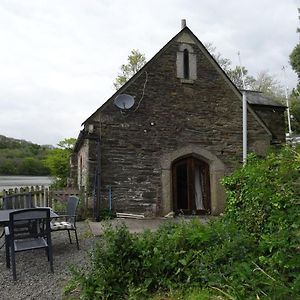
(265,192)
(252,252)
(264,201)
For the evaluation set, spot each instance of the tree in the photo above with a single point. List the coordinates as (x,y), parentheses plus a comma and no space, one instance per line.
(295,60)
(67,144)
(58,161)
(236,77)
(7,167)
(295,110)
(295,96)
(225,63)
(234,73)
(32,166)
(136,61)
(266,83)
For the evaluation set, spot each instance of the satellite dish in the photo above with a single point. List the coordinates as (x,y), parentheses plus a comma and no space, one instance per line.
(124,101)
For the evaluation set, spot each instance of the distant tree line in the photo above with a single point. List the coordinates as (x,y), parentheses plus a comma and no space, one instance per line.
(19,157)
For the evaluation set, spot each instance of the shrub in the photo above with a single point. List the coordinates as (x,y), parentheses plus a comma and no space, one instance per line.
(264,202)
(265,192)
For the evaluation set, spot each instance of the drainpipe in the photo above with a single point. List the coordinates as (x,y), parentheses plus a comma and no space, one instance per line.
(110,198)
(244,128)
(98,185)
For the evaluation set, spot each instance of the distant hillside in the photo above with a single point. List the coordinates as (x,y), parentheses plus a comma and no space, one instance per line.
(8,142)
(20,157)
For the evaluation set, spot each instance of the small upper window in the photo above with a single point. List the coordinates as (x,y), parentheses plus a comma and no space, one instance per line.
(186,64)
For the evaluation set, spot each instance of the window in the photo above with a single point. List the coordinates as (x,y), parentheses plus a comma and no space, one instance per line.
(186,64)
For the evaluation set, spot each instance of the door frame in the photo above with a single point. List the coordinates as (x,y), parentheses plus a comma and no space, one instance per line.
(191,162)
(216,168)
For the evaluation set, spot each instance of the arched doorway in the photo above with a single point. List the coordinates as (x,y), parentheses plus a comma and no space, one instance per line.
(191,186)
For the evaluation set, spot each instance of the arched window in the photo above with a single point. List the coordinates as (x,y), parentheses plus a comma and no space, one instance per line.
(186,64)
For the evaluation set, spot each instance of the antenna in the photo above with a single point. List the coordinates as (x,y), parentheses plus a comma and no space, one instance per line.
(241,68)
(124,101)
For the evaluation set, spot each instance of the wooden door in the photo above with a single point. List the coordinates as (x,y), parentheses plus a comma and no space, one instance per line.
(191,186)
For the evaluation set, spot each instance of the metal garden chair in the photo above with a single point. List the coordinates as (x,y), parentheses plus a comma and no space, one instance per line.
(15,201)
(34,233)
(67,221)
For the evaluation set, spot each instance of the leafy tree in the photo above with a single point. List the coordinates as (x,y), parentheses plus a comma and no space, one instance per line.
(136,61)
(295,110)
(67,144)
(266,83)
(263,82)
(295,96)
(295,60)
(225,63)
(236,76)
(33,166)
(58,161)
(7,167)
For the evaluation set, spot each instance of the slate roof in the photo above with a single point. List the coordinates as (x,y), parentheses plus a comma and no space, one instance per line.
(258,98)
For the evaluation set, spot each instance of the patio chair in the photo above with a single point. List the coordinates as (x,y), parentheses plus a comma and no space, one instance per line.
(67,221)
(16,201)
(34,234)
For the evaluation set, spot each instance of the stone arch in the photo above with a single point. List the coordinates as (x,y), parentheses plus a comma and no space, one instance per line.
(188,47)
(216,170)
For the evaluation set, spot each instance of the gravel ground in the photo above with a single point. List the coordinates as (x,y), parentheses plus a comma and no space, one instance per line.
(34,279)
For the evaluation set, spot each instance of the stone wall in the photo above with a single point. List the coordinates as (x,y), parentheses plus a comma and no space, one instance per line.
(169,115)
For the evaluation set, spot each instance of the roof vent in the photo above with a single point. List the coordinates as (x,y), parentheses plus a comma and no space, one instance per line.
(183,23)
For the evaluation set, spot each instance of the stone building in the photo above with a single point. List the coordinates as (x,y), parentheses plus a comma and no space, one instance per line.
(169,151)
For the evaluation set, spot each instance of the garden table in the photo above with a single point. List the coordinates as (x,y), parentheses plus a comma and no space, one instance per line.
(4,215)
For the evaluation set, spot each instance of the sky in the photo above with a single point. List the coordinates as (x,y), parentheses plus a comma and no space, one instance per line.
(59,58)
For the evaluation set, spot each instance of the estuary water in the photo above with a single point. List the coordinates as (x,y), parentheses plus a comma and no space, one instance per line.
(9,182)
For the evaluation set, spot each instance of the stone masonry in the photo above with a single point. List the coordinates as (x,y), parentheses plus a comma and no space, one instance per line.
(171,118)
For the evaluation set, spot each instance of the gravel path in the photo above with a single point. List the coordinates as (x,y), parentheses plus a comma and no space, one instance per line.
(35,281)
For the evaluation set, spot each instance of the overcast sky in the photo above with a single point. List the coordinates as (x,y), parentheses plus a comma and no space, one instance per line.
(59,58)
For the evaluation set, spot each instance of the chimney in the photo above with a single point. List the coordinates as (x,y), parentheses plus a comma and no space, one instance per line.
(183,23)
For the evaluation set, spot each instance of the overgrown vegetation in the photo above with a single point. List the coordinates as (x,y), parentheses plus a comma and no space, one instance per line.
(18,157)
(252,252)
(58,162)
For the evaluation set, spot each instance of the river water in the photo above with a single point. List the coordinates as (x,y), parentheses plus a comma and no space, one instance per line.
(9,182)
